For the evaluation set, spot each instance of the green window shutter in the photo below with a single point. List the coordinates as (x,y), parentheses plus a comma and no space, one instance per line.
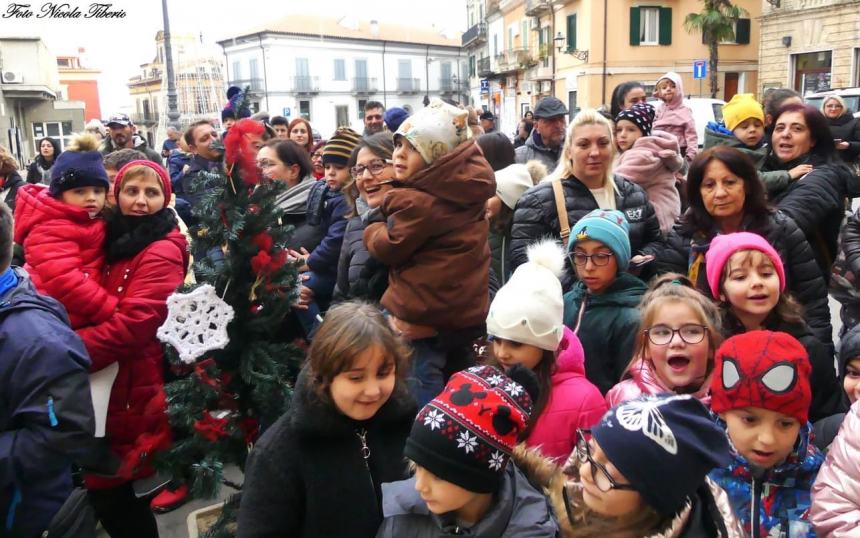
(540,38)
(742,32)
(634,26)
(571,32)
(665,26)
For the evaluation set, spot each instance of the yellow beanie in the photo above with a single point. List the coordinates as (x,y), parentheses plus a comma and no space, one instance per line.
(742,107)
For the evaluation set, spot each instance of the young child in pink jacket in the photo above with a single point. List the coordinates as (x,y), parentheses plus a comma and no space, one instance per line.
(679,334)
(651,162)
(525,321)
(674,117)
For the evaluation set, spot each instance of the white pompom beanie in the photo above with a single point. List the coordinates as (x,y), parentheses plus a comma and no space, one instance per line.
(512,182)
(529,309)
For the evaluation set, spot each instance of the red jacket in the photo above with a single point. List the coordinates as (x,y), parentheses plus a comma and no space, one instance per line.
(64,248)
(137,420)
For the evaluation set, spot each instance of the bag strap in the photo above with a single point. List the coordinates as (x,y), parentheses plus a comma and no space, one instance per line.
(561,208)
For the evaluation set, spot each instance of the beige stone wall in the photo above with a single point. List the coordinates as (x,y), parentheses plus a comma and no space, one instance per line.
(814,26)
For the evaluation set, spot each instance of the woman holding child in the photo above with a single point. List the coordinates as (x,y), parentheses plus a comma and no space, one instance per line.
(726,196)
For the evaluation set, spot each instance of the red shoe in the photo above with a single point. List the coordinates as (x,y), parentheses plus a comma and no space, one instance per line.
(169,500)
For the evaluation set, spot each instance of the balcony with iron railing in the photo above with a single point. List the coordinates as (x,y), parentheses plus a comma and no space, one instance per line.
(485,68)
(364,86)
(305,85)
(408,85)
(254,84)
(536,8)
(514,60)
(475,35)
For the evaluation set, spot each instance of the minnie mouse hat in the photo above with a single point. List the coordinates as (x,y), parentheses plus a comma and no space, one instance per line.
(762,369)
(466,434)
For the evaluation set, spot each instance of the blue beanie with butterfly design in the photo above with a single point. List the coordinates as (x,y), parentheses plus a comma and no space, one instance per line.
(664,446)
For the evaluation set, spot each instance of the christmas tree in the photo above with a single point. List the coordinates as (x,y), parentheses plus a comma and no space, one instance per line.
(221,403)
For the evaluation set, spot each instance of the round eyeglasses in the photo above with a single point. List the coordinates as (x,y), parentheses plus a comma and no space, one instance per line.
(691,333)
(375,167)
(599,474)
(599,258)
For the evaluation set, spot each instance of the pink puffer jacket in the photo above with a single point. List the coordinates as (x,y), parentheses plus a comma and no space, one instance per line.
(676,118)
(640,379)
(573,403)
(651,163)
(835,511)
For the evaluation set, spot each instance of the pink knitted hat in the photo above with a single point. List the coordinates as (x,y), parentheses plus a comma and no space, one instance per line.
(723,246)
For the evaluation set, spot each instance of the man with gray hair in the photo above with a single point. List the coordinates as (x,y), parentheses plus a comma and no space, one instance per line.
(170,143)
(546,139)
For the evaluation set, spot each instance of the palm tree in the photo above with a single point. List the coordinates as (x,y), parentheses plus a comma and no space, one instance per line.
(716,22)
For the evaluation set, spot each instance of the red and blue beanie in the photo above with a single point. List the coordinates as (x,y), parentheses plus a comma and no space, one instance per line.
(762,369)
(724,246)
(664,446)
(641,115)
(75,169)
(466,434)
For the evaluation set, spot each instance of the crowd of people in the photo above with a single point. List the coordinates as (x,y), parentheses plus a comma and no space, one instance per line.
(660,354)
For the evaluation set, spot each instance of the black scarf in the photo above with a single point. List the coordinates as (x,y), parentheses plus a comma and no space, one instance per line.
(128,235)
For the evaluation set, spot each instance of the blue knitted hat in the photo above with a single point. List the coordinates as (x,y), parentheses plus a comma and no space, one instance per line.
(75,169)
(664,446)
(394,117)
(609,227)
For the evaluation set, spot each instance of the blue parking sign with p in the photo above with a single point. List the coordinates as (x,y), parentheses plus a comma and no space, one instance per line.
(700,69)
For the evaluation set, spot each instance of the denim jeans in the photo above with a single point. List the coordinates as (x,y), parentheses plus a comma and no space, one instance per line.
(323,287)
(435,359)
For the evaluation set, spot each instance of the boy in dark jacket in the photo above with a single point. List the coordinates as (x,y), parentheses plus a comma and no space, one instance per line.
(320,265)
(465,484)
(46,412)
(602,307)
(434,241)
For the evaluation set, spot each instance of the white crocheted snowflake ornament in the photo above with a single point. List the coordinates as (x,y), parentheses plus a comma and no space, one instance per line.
(196,323)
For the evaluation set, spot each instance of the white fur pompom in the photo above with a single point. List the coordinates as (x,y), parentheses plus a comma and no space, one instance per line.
(547,253)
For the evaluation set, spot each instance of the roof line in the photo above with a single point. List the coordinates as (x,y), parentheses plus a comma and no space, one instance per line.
(341,38)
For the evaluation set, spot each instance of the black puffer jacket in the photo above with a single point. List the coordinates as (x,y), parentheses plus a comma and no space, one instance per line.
(803,278)
(817,203)
(306,477)
(359,275)
(846,270)
(847,128)
(536,217)
(13,182)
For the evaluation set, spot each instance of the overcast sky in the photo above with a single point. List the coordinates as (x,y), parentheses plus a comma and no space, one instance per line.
(119,46)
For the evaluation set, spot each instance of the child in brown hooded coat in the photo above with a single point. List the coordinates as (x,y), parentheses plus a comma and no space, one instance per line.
(434,241)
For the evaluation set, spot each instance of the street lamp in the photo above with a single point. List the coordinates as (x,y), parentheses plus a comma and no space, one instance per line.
(172,111)
(578,54)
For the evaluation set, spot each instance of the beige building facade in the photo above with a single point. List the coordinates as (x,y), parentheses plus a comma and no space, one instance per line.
(810,45)
(579,50)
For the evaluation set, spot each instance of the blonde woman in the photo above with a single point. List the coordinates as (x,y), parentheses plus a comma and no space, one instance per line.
(584,173)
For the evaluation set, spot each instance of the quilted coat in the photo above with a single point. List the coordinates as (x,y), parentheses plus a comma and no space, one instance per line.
(777,502)
(435,242)
(651,163)
(573,403)
(136,421)
(63,247)
(836,494)
(640,379)
(536,216)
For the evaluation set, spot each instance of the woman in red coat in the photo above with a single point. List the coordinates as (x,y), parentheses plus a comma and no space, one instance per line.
(147,258)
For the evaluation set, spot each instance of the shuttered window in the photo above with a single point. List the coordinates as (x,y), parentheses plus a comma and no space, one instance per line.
(650,25)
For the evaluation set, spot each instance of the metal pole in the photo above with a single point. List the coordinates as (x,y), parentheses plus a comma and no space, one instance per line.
(172,111)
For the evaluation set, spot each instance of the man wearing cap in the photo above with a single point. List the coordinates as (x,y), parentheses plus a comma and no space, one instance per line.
(547,137)
(122,134)
(488,122)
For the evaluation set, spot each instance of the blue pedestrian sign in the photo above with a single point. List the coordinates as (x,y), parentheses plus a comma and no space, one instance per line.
(700,69)
(485,86)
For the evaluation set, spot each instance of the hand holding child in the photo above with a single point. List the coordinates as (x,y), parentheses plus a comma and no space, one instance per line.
(799,171)
(302,256)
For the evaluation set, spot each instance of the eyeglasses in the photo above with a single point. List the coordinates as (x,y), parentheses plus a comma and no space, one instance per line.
(603,480)
(599,259)
(661,335)
(375,167)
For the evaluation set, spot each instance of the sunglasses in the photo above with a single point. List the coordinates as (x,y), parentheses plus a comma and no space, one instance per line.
(599,474)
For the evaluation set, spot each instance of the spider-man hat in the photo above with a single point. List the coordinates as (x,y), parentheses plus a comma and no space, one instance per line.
(664,446)
(763,369)
(466,434)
